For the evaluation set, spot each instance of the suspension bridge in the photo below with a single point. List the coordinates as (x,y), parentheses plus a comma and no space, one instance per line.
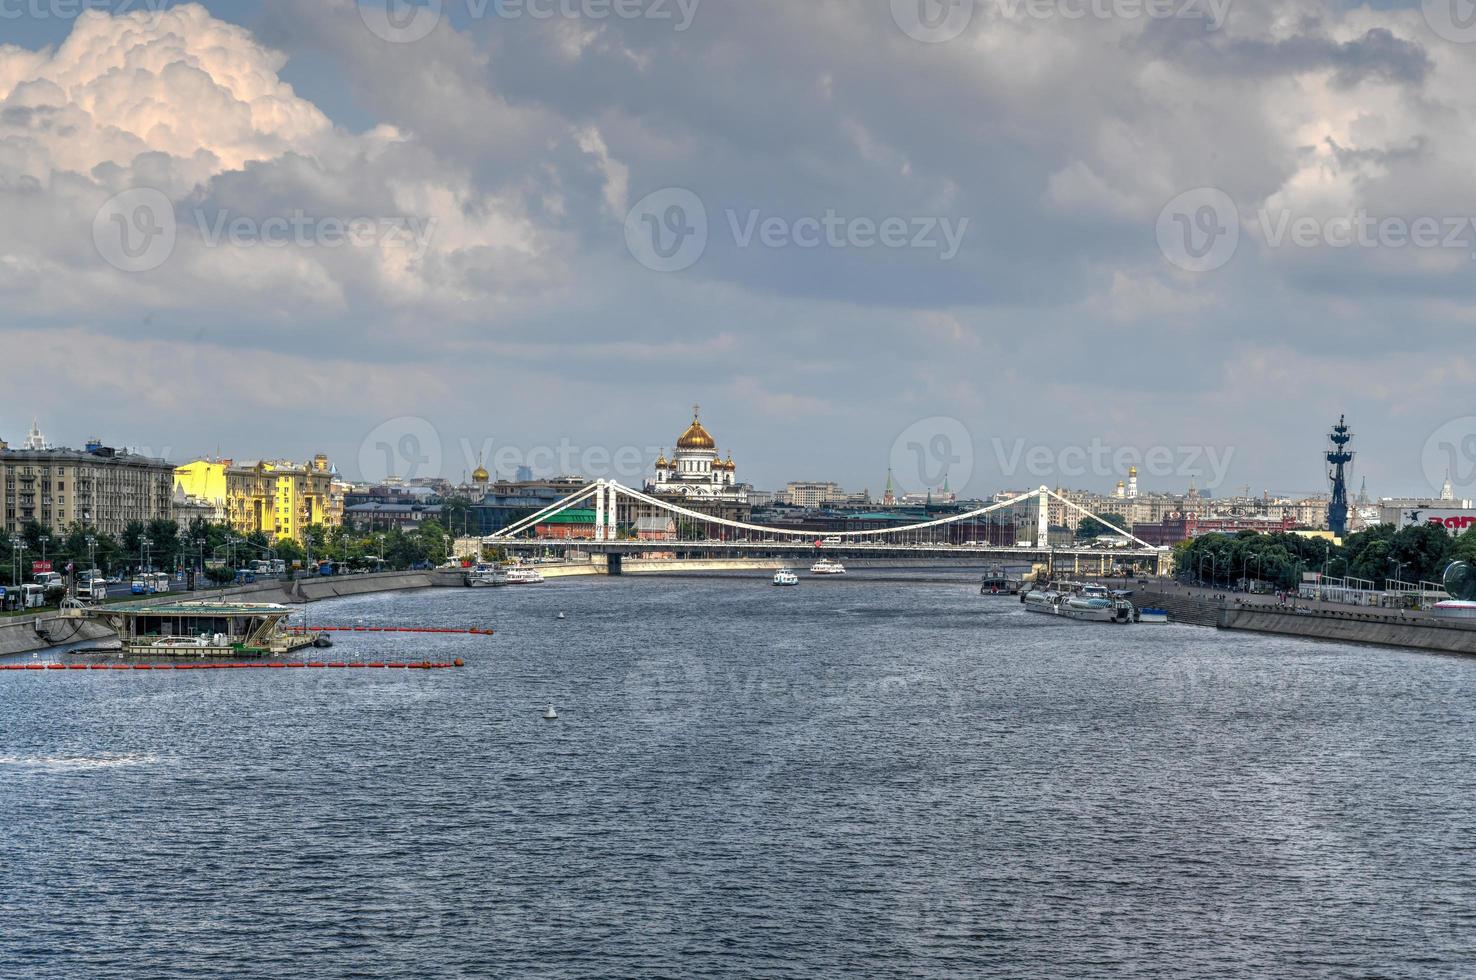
(618,511)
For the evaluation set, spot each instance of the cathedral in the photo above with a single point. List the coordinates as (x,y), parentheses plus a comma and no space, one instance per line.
(697,477)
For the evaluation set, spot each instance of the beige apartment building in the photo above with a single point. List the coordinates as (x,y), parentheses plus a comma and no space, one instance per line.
(100,488)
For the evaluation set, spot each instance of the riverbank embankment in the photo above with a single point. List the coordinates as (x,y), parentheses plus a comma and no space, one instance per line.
(1395,628)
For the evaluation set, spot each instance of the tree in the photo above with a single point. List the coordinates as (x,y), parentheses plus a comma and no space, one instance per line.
(1091,527)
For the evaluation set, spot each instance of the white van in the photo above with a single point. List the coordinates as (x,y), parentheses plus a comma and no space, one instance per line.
(33,596)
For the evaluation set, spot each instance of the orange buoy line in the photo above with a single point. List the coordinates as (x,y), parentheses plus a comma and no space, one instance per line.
(260,665)
(387,629)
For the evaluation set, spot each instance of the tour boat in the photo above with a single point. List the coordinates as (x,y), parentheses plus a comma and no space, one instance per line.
(1093,610)
(827,566)
(1042,601)
(485,576)
(785,576)
(524,576)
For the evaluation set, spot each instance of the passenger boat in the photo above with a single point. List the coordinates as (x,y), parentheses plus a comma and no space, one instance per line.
(485,576)
(1091,609)
(827,566)
(1150,615)
(786,576)
(1042,601)
(524,576)
(997,583)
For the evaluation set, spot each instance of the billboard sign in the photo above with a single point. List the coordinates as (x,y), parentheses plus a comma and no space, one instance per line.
(1454,519)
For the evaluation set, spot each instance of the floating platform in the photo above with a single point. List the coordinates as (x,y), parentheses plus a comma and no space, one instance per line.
(201,628)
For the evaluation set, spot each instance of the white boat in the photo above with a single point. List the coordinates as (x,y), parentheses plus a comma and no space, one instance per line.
(1040,601)
(485,576)
(827,566)
(1151,615)
(1093,610)
(524,576)
(786,576)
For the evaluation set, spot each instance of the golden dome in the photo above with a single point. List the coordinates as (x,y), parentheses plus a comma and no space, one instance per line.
(480,475)
(661,463)
(696,437)
(729,464)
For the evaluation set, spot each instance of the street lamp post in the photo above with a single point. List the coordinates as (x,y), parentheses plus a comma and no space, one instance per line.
(45,540)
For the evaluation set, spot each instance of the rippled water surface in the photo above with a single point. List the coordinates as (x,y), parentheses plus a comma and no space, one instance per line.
(873,778)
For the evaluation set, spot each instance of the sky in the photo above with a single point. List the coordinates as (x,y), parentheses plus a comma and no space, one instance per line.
(1004,243)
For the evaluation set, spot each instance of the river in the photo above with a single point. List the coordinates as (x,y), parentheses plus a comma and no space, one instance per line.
(885,778)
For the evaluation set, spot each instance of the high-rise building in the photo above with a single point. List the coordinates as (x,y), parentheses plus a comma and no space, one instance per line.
(99,488)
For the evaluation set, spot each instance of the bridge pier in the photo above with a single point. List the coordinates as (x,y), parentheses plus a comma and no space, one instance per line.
(612,564)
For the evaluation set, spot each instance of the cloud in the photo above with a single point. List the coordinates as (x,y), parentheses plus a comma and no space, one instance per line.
(518,145)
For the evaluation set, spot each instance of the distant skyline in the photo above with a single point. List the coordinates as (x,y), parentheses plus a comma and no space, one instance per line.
(283,227)
(455,458)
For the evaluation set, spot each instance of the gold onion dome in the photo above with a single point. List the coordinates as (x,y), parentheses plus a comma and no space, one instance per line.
(696,437)
(480,475)
(661,463)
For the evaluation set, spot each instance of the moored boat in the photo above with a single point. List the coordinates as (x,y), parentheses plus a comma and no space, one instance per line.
(827,566)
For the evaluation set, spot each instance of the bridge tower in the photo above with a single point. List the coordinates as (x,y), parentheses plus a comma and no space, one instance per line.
(1338,457)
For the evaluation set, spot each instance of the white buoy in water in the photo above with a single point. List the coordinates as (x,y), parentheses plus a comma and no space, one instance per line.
(561,615)
(550,714)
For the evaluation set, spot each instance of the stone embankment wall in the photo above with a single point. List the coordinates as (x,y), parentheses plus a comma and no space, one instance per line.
(1353,625)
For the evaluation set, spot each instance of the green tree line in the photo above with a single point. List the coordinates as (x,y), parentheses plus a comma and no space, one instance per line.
(165,546)
(1417,553)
